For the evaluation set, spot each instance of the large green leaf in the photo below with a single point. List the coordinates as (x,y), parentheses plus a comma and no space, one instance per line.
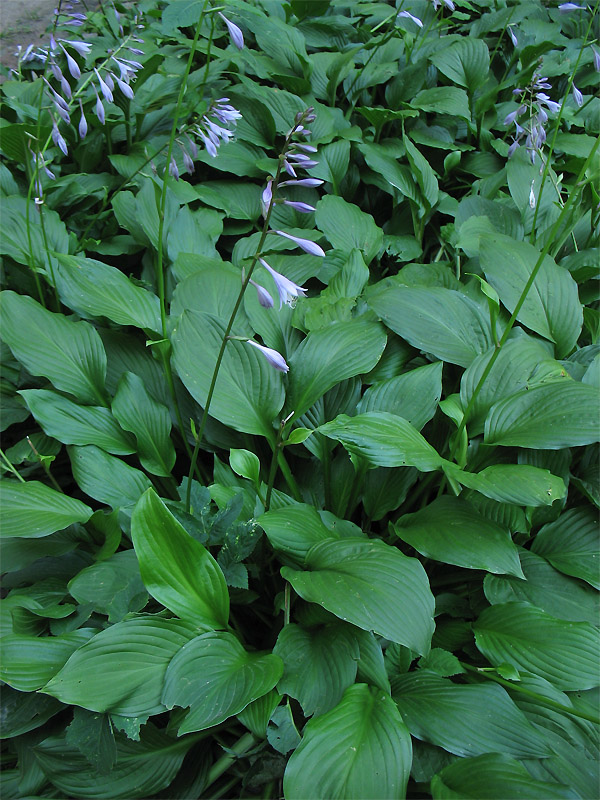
(548,417)
(571,544)
(360,750)
(521,484)
(467,720)
(493,777)
(72,423)
(413,395)
(113,587)
(176,569)
(249,391)
(319,664)
(443,100)
(466,62)
(122,669)
(138,412)
(32,509)
(106,478)
(29,662)
(95,289)
(546,588)
(440,321)
(346,226)
(142,769)
(217,678)
(70,354)
(384,440)
(330,355)
(552,306)
(365,582)
(563,652)
(451,530)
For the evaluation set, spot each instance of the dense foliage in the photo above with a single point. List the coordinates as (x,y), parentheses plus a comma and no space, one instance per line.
(300,371)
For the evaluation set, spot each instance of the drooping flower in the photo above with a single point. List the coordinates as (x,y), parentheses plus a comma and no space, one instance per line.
(274,358)
(104,87)
(236,35)
(83,126)
(513,36)
(596,59)
(577,96)
(58,139)
(410,16)
(264,297)
(303,208)
(564,8)
(309,247)
(287,289)
(267,197)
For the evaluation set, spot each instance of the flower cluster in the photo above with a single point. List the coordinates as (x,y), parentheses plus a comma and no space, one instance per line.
(531,116)
(296,155)
(213,129)
(436,4)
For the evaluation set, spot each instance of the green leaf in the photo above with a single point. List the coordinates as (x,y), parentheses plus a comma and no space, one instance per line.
(138,412)
(570,544)
(333,165)
(565,653)
(106,478)
(29,662)
(452,531)
(257,714)
(93,736)
(371,666)
(319,664)
(70,354)
(423,172)
(92,288)
(346,226)
(467,720)
(360,750)
(364,582)
(440,321)
(331,355)
(249,391)
(217,678)
(143,768)
(25,711)
(75,424)
(215,290)
(545,588)
(465,62)
(122,669)
(397,175)
(113,587)
(413,395)
(512,483)
(548,417)
(246,464)
(384,440)
(176,569)
(552,306)
(493,777)
(441,662)
(32,509)
(443,100)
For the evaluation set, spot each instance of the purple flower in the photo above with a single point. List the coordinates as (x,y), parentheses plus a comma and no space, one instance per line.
(564,8)
(237,37)
(104,87)
(288,290)
(274,358)
(58,139)
(308,246)
(83,126)
(99,109)
(187,162)
(312,182)
(416,20)
(303,208)
(264,298)
(83,48)
(596,59)
(125,88)
(267,197)
(513,36)
(173,170)
(72,64)
(577,96)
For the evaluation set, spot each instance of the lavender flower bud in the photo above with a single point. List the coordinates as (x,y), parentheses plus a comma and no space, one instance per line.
(62,113)
(187,162)
(125,88)
(274,358)
(58,139)
(312,182)
(267,197)
(99,109)
(264,298)
(510,118)
(577,96)
(66,87)
(306,244)
(173,171)
(104,88)
(72,64)
(596,59)
(304,208)
(289,169)
(564,8)
(513,37)
(83,48)
(236,35)
(56,71)
(416,20)
(531,197)
(83,126)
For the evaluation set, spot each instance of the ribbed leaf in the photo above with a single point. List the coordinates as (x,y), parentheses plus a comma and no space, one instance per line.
(493,777)
(319,665)
(28,662)
(467,720)
(346,226)
(466,62)
(70,354)
(451,530)
(249,391)
(365,582)
(413,395)
(549,417)
(571,544)
(217,678)
(552,306)
(331,355)
(106,478)
(142,768)
(122,668)
(565,653)
(95,289)
(384,440)
(360,750)
(138,412)
(512,483)
(71,423)
(440,321)
(176,569)
(30,510)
